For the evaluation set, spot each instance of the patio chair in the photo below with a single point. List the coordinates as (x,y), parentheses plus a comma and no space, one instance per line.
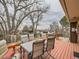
(31,37)
(24,38)
(38,49)
(50,46)
(5,53)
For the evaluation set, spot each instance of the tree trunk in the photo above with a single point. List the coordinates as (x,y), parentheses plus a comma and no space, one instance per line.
(73,33)
(33,27)
(7,15)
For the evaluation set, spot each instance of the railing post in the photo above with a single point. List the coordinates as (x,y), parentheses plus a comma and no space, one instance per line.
(73,33)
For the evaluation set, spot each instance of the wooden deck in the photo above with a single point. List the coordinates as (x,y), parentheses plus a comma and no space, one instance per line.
(63,50)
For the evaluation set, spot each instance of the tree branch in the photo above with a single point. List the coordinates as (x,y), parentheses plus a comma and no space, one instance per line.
(13,18)
(1,2)
(24,18)
(2,27)
(26,6)
(33,23)
(7,14)
(4,24)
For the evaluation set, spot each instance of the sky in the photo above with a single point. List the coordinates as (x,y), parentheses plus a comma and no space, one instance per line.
(54,14)
(54,5)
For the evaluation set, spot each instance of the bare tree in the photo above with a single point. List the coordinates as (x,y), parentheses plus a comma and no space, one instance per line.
(37,16)
(54,27)
(13,12)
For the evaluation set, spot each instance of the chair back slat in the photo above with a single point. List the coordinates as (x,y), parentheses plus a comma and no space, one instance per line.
(38,48)
(24,38)
(31,37)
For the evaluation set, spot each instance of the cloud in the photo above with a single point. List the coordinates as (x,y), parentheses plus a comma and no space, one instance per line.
(54,5)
